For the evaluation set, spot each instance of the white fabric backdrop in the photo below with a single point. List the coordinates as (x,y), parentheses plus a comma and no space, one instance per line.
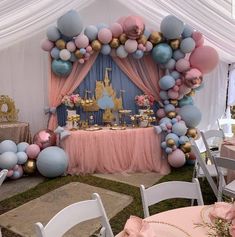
(24,65)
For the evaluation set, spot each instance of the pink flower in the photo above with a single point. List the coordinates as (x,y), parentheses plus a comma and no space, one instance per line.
(222,210)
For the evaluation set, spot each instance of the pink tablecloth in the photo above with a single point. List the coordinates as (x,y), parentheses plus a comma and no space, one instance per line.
(178,222)
(109,151)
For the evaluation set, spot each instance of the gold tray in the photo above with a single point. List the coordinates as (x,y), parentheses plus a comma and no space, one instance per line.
(117,128)
(93,129)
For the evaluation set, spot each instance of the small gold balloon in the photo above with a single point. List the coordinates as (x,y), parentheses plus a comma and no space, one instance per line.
(30,166)
(142,40)
(192,132)
(123,38)
(174,102)
(78,54)
(60,44)
(96,45)
(191,93)
(156,37)
(171,114)
(175,43)
(114,43)
(186,148)
(170,142)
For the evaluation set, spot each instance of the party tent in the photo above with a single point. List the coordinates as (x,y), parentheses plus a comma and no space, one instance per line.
(24,66)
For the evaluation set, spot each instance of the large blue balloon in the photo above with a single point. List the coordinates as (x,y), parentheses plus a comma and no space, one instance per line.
(8,145)
(70,24)
(191,115)
(172,27)
(52,162)
(166,82)
(53,33)
(61,68)
(162,53)
(8,160)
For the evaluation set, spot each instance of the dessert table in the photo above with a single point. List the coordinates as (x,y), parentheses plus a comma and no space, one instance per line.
(178,222)
(112,151)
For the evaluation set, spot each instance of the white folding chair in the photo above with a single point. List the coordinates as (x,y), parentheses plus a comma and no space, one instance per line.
(226,125)
(3,175)
(212,140)
(168,190)
(73,215)
(226,189)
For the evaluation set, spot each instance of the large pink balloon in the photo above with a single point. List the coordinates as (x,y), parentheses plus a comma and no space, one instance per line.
(45,138)
(133,26)
(116,29)
(204,58)
(176,158)
(105,35)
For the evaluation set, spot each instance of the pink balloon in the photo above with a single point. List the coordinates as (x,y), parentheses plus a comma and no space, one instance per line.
(184,89)
(32,151)
(198,38)
(173,94)
(47,45)
(81,41)
(131,46)
(88,48)
(116,29)
(10,173)
(177,158)
(176,88)
(178,82)
(160,113)
(193,73)
(71,46)
(81,60)
(204,58)
(193,78)
(17,173)
(148,46)
(45,138)
(182,65)
(133,26)
(121,20)
(105,35)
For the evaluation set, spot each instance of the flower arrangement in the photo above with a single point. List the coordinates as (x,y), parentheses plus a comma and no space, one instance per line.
(222,217)
(144,100)
(72,101)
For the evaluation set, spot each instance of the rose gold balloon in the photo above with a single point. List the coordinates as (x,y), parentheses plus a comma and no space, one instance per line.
(45,138)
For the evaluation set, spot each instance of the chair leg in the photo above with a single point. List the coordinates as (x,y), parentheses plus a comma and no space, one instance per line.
(220,188)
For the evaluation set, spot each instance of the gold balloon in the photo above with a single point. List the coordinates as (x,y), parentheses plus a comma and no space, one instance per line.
(192,132)
(96,45)
(60,44)
(142,40)
(186,148)
(175,43)
(123,38)
(171,114)
(174,102)
(78,54)
(156,37)
(170,142)
(30,166)
(191,93)
(114,43)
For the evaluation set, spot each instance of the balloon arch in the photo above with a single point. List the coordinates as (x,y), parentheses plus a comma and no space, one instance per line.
(178,49)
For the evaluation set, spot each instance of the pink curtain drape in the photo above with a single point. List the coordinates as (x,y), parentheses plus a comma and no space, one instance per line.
(144,73)
(58,87)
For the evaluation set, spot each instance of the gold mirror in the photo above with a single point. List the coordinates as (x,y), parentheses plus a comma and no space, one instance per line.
(8,112)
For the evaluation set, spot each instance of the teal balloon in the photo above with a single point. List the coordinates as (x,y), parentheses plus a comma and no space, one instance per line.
(61,68)
(186,100)
(52,162)
(162,53)
(191,115)
(53,33)
(166,82)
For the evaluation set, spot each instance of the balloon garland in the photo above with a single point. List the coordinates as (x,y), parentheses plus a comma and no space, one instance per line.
(178,49)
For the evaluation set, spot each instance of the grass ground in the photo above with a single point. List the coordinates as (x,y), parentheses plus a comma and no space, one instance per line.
(117,222)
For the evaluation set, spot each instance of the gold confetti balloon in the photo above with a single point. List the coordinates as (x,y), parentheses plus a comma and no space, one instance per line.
(30,166)
(175,43)
(123,38)
(186,148)
(78,54)
(96,45)
(142,40)
(60,44)
(114,43)
(171,114)
(170,142)
(192,132)
(174,102)
(156,37)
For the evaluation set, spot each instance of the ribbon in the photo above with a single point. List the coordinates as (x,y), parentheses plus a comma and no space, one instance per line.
(48,110)
(62,132)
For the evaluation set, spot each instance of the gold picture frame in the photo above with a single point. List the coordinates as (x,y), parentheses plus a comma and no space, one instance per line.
(8,111)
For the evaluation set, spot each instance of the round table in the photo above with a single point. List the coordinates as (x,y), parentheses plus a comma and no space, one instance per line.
(178,222)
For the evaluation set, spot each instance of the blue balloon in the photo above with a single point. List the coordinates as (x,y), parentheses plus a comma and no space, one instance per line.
(106,49)
(168,150)
(147,33)
(121,52)
(73,58)
(22,146)
(191,115)
(163,95)
(52,162)
(170,64)
(101,26)
(179,129)
(82,51)
(178,54)
(8,160)
(53,33)
(163,145)
(188,31)
(166,102)
(175,74)
(174,137)
(187,45)
(22,157)
(61,68)
(70,24)
(162,53)
(66,38)
(164,120)
(186,100)
(183,140)
(166,82)
(91,32)
(8,145)
(138,54)
(55,53)
(168,108)
(171,27)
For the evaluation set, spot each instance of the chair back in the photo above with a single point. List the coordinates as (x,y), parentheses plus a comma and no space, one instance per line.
(225,162)
(168,190)
(225,124)
(203,166)
(3,175)
(73,215)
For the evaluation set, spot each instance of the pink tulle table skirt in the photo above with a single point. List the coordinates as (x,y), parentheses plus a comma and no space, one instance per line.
(112,151)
